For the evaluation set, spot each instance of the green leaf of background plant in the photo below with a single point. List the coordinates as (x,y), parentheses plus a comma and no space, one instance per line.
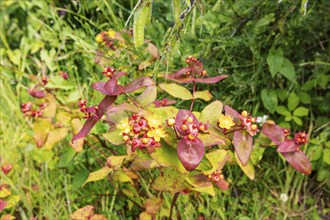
(282,110)
(301,111)
(297,120)
(269,98)
(176,91)
(287,70)
(326,156)
(304,97)
(275,60)
(293,101)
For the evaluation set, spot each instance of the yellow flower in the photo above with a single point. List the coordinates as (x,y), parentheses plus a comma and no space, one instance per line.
(99,38)
(226,121)
(157,134)
(124,126)
(111,33)
(154,121)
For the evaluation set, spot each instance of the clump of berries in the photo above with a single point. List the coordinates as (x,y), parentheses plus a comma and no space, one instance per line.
(248,122)
(300,138)
(192,61)
(142,132)
(189,127)
(89,111)
(29,110)
(109,72)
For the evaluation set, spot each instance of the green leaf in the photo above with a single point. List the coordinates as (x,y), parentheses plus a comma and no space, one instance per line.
(269,98)
(176,91)
(205,95)
(115,161)
(66,157)
(172,181)
(293,101)
(303,8)
(122,177)
(282,110)
(167,156)
(211,113)
(176,10)
(79,178)
(275,60)
(282,94)
(114,137)
(248,169)
(326,156)
(216,158)
(287,70)
(297,120)
(140,20)
(305,97)
(301,111)
(147,96)
(98,175)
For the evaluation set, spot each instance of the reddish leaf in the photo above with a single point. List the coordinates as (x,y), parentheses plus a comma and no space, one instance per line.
(106,102)
(89,124)
(164,102)
(222,184)
(2,204)
(211,79)
(190,152)
(83,213)
(147,97)
(36,93)
(288,146)
(299,161)
(274,132)
(138,83)
(180,76)
(153,50)
(110,88)
(119,74)
(242,142)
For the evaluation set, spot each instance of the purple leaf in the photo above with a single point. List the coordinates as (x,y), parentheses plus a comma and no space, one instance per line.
(299,161)
(89,124)
(274,132)
(138,83)
(2,205)
(222,184)
(180,76)
(106,102)
(242,142)
(287,146)
(39,94)
(99,86)
(119,74)
(113,88)
(211,79)
(190,152)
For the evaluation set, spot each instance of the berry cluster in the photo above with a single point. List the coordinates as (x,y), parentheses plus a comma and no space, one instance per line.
(27,109)
(109,72)
(106,39)
(188,127)
(191,61)
(142,132)
(300,138)
(286,132)
(91,111)
(6,168)
(216,176)
(248,123)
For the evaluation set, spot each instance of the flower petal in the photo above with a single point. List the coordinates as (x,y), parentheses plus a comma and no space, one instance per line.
(190,152)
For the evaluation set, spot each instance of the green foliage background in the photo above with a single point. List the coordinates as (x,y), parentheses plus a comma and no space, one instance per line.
(278,61)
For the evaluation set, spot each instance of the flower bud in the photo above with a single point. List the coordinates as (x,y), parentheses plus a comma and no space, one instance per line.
(244,113)
(171,122)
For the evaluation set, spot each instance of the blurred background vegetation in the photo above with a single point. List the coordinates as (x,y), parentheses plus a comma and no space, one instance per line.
(275,52)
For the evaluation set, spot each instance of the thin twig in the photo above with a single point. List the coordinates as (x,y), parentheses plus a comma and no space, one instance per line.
(175,197)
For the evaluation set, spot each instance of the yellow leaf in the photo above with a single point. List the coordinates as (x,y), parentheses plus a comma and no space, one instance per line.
(50,110)
(211,113)
(248,169)
(176,91)
(83,213)
(55,136)
(4,192)
(98,217)
(7,217)
(76,126)
(98,175)
(115,161)
(205,95)
(41,127)
(12,201)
